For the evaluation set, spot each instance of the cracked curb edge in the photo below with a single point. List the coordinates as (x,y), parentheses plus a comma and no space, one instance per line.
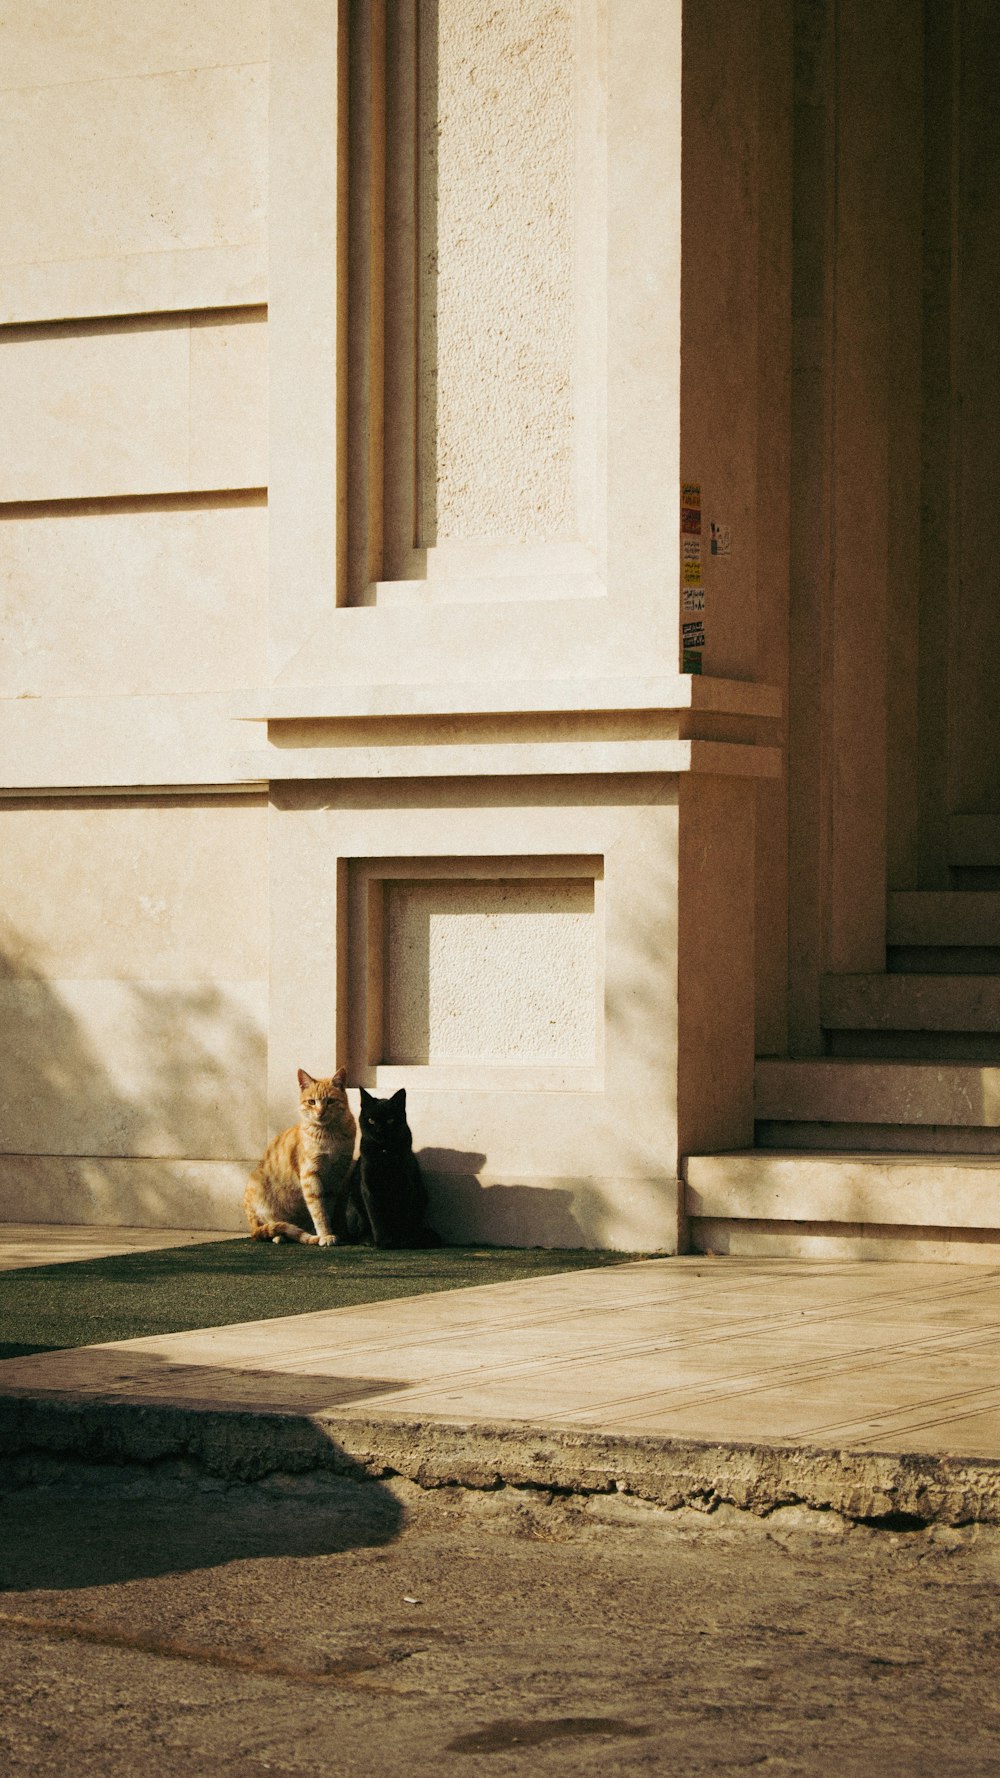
(247,1445)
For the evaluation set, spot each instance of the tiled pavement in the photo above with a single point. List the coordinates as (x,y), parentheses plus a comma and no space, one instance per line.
(827,1355)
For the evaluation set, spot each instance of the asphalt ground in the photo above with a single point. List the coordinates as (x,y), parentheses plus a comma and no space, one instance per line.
(325,1628)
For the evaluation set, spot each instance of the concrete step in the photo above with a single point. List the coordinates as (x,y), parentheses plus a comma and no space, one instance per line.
(906,1002)
(974,1047)
(851,1092)
(943,959)
(914,1191)
(944,918)
(824,1138)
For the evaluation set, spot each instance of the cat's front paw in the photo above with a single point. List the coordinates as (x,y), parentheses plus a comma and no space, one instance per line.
(326,1240)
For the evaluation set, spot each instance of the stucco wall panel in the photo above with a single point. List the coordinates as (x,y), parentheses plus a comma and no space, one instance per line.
(490,972)
(497,268)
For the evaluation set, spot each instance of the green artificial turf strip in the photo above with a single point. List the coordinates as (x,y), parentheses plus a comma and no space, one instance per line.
(83,1302)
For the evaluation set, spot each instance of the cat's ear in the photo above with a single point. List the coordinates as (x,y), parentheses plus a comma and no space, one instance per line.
(340,1078)
(366,1098)
(399,1098)
(305,1080)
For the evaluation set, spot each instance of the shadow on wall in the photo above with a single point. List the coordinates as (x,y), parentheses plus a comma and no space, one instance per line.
(124,1101)
(466,1211)
(624,1213)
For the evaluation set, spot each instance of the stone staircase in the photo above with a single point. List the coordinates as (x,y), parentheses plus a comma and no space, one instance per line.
(891,1141)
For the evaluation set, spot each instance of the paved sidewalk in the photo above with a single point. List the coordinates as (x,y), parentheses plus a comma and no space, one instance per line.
(873,1388)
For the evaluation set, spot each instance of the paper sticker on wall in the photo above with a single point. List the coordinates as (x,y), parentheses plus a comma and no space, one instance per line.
(720,539)
(691,564)
(691,509)
(692,591)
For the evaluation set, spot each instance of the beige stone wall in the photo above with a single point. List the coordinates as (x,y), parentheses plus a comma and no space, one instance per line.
(133,1006)
(133,579)
(341,718)
(133,145)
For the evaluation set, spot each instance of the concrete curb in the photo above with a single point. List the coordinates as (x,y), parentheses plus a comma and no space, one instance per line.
(242,1444)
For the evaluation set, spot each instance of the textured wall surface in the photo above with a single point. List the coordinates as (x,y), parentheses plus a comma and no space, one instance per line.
(491,972)
(496,269)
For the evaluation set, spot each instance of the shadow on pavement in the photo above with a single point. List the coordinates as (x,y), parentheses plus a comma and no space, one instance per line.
(123,1527)
(116,1465)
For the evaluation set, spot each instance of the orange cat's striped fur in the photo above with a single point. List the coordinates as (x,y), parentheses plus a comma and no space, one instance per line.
(295,1188)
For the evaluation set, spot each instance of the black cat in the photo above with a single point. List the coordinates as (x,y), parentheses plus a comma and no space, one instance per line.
(386,1200)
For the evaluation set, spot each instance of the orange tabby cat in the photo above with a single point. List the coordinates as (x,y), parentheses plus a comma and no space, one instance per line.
(305,1168)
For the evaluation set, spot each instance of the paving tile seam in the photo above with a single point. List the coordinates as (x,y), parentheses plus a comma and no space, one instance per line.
(422,1397)
(753,1382)
(835,1437)
(739,1328)
(984,1398)
(298,1364)
(458,1330)
(625,1305)
(850,1434)
(635,1426)
(451,1334)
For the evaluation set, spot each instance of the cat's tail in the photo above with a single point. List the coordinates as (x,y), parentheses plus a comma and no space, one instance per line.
(282,1231)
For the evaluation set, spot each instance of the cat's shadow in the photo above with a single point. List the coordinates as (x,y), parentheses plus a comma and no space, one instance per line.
(494,1214)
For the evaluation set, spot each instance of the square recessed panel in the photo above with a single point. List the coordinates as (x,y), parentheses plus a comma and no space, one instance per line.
(490,971)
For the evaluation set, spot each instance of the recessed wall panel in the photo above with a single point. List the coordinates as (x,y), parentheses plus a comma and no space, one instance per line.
(490,972)
(496,270)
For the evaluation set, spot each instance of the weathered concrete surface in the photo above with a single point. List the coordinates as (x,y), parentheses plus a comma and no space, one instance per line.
(319,1626)
(246,1445)
(869,1390)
